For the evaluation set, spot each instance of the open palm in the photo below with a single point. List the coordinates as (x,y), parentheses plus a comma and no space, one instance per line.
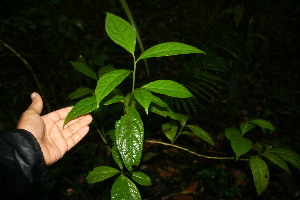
(54,139)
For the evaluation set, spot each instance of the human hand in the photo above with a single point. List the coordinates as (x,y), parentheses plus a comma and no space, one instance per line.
(48,129)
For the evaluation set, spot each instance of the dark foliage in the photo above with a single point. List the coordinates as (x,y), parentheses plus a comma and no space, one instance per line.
(251,71)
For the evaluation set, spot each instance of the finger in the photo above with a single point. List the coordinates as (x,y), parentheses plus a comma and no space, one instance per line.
(73,126)
(37,103)
(77,137)
(59,114)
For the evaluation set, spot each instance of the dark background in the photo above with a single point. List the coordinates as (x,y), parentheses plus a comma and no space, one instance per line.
(251,70)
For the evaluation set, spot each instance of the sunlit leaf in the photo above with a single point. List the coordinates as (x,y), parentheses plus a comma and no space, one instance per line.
(277,160)
(108,82)
(201,134)
(121,32)
(141,178)
(84,106)
(144,97)
(101,173)
(124,189)
(288,155)
(129,137)
(170,130)
(169,49)
(86,70)
(169,88)
(260,172)
(263,124)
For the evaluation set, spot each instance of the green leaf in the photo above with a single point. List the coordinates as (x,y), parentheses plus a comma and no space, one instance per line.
(80,92)
(124,189)
(277,160)
(84,106)
(144,97)
(101,173)
(114,99)
(158,101)
(121,32)
(246,127)
(167,112)
(169,88)
(168,49)
(288,155)
(239,144)
(86,70)
(201,134)
(108,82)
(129,137)
(117,157)
(263,124)
(260,172)
(170,130)
(141,178)
(105,69)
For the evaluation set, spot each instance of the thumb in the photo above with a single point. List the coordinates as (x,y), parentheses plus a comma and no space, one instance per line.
(37,103)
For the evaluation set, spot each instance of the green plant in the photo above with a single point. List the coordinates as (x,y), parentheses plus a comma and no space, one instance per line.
(128,134)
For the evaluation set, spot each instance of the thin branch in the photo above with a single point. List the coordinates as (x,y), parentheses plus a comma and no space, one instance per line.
(192,152)
(31,70)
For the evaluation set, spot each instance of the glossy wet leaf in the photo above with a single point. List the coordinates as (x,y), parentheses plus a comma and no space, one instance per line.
(239,144)
(129,137)
(82,107)
(101,173)
(169,49)
(263,124)
(141,178)
(169,88)
(277,160)
(108,82)
(260,172)
(144,97)
(124,189)
(86,70)
(170,130)
(121,32)
(288,155)
(201,134)
(80,92)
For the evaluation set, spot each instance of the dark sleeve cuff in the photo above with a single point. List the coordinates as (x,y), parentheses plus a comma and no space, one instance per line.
(22,164)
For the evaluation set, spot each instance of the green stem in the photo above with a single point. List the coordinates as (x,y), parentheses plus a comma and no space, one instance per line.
(133,75)
(138,37)
(192,152)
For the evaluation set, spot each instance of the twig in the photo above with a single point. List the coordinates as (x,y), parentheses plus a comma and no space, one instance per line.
(32,72)
(192,152)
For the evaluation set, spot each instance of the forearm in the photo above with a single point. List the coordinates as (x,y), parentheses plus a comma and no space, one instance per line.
(22,165)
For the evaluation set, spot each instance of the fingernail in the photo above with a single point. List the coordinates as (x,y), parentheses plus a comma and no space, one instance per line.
(33,95)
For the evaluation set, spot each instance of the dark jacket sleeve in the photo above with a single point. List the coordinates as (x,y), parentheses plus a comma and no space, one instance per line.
(22,165)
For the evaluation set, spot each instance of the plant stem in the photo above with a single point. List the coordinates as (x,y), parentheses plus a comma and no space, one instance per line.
(32,72)
(192,152)
(133,75)
(139,40)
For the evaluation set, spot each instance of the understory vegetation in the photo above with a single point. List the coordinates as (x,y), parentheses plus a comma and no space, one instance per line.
(234,82)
